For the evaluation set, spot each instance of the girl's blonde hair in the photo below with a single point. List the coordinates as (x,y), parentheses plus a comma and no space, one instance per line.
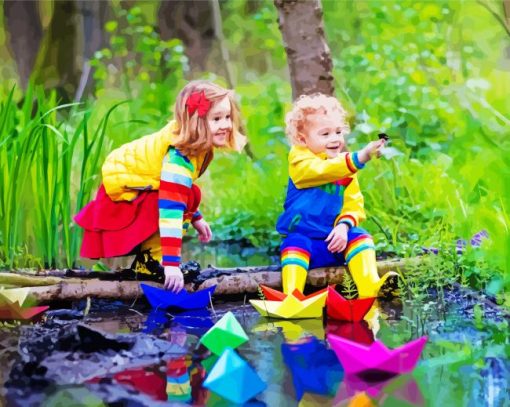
(306,105)
(193,134)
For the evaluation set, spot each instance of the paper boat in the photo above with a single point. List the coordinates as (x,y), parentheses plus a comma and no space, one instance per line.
(354,331)
(314,368)
(10,311)
(271,294)
(160,298)
(292,306)
(347,310)
(13,295)
(376,358)
(234,379)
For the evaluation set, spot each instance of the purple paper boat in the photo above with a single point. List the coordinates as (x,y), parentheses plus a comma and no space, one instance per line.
(359,359)
(163,299)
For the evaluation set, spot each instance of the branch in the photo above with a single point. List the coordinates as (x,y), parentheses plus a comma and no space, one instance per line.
(496,16)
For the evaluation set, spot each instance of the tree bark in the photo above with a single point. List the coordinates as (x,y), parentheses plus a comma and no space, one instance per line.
(308,54)
(242,280)
(506,9)
(94,17)
(192,22)
(24,27)
(57,65)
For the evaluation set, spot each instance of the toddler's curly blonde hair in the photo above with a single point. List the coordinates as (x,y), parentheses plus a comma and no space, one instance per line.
(306,105)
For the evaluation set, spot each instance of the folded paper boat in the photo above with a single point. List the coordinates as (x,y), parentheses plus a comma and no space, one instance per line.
(359,359)
(11,311)
(294,306)
(342,309)
(162,299)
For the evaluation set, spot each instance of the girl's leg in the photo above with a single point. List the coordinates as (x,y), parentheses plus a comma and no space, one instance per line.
(360,258)
(295,258)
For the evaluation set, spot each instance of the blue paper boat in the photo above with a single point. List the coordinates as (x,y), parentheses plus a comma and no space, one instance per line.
(313,366)
(163,299)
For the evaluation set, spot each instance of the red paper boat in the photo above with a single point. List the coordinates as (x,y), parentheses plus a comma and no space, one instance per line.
(347,310)
(11,311)
(354,331)
(274,295)
(361,359)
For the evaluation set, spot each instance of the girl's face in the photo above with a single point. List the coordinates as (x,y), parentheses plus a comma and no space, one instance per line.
(324,134)
(220,122)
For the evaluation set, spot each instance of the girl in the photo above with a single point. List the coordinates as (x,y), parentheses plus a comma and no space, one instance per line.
(148,197)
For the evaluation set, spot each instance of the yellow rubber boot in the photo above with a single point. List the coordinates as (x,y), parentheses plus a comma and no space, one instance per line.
(293,276)
(153,244)
(363,269)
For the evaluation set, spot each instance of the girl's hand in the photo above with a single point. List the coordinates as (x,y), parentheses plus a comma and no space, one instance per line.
(204,230)
(338,238)
(174,280)
(371,149)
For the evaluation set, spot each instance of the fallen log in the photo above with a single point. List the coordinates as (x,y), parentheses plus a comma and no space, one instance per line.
(238,280)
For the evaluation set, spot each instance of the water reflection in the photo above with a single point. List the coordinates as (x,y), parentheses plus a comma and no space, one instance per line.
(314,368)
(470,368)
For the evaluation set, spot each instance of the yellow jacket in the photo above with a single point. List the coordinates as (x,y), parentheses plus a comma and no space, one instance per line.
(321,193)
(137,165)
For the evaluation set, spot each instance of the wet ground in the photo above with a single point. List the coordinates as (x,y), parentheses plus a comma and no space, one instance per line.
(125,355)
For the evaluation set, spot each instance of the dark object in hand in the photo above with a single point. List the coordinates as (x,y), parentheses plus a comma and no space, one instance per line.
(383,136)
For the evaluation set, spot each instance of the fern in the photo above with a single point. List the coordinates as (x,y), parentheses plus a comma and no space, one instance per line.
(350,291)
(260,293)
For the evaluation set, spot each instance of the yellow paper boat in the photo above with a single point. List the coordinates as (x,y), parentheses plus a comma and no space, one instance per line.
(13,295)
(291,307)
(292,330)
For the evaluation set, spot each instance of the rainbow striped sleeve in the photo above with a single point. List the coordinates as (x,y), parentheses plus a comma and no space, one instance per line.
(174,189)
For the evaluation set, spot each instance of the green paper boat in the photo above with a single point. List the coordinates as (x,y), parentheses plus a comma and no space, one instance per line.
(226,333)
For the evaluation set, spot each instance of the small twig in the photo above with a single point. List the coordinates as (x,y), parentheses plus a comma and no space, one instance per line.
(212,306)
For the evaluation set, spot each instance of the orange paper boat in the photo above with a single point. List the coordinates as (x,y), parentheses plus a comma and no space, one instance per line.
(342,309)
(274,295)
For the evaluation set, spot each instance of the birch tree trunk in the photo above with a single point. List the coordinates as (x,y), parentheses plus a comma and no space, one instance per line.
(308,54)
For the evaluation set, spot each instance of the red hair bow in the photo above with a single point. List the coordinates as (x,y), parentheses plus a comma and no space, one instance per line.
(198,102)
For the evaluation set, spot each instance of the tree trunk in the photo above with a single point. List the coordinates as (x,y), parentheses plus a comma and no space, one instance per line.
(23,24)
(506,9)
(57,65)
(228,281)
(94,17)
(192,22)
(308,54)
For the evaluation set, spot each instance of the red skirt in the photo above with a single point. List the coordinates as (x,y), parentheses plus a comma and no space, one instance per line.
(114,229)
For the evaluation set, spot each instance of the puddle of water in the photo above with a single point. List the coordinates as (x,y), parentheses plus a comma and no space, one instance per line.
(465,362)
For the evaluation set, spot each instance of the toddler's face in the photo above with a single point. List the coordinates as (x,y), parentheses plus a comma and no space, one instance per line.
(220,122)
(323,134)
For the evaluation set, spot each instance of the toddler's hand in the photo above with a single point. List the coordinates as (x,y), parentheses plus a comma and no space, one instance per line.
(338,238)
(174,280)
(371,149)
(204,230)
